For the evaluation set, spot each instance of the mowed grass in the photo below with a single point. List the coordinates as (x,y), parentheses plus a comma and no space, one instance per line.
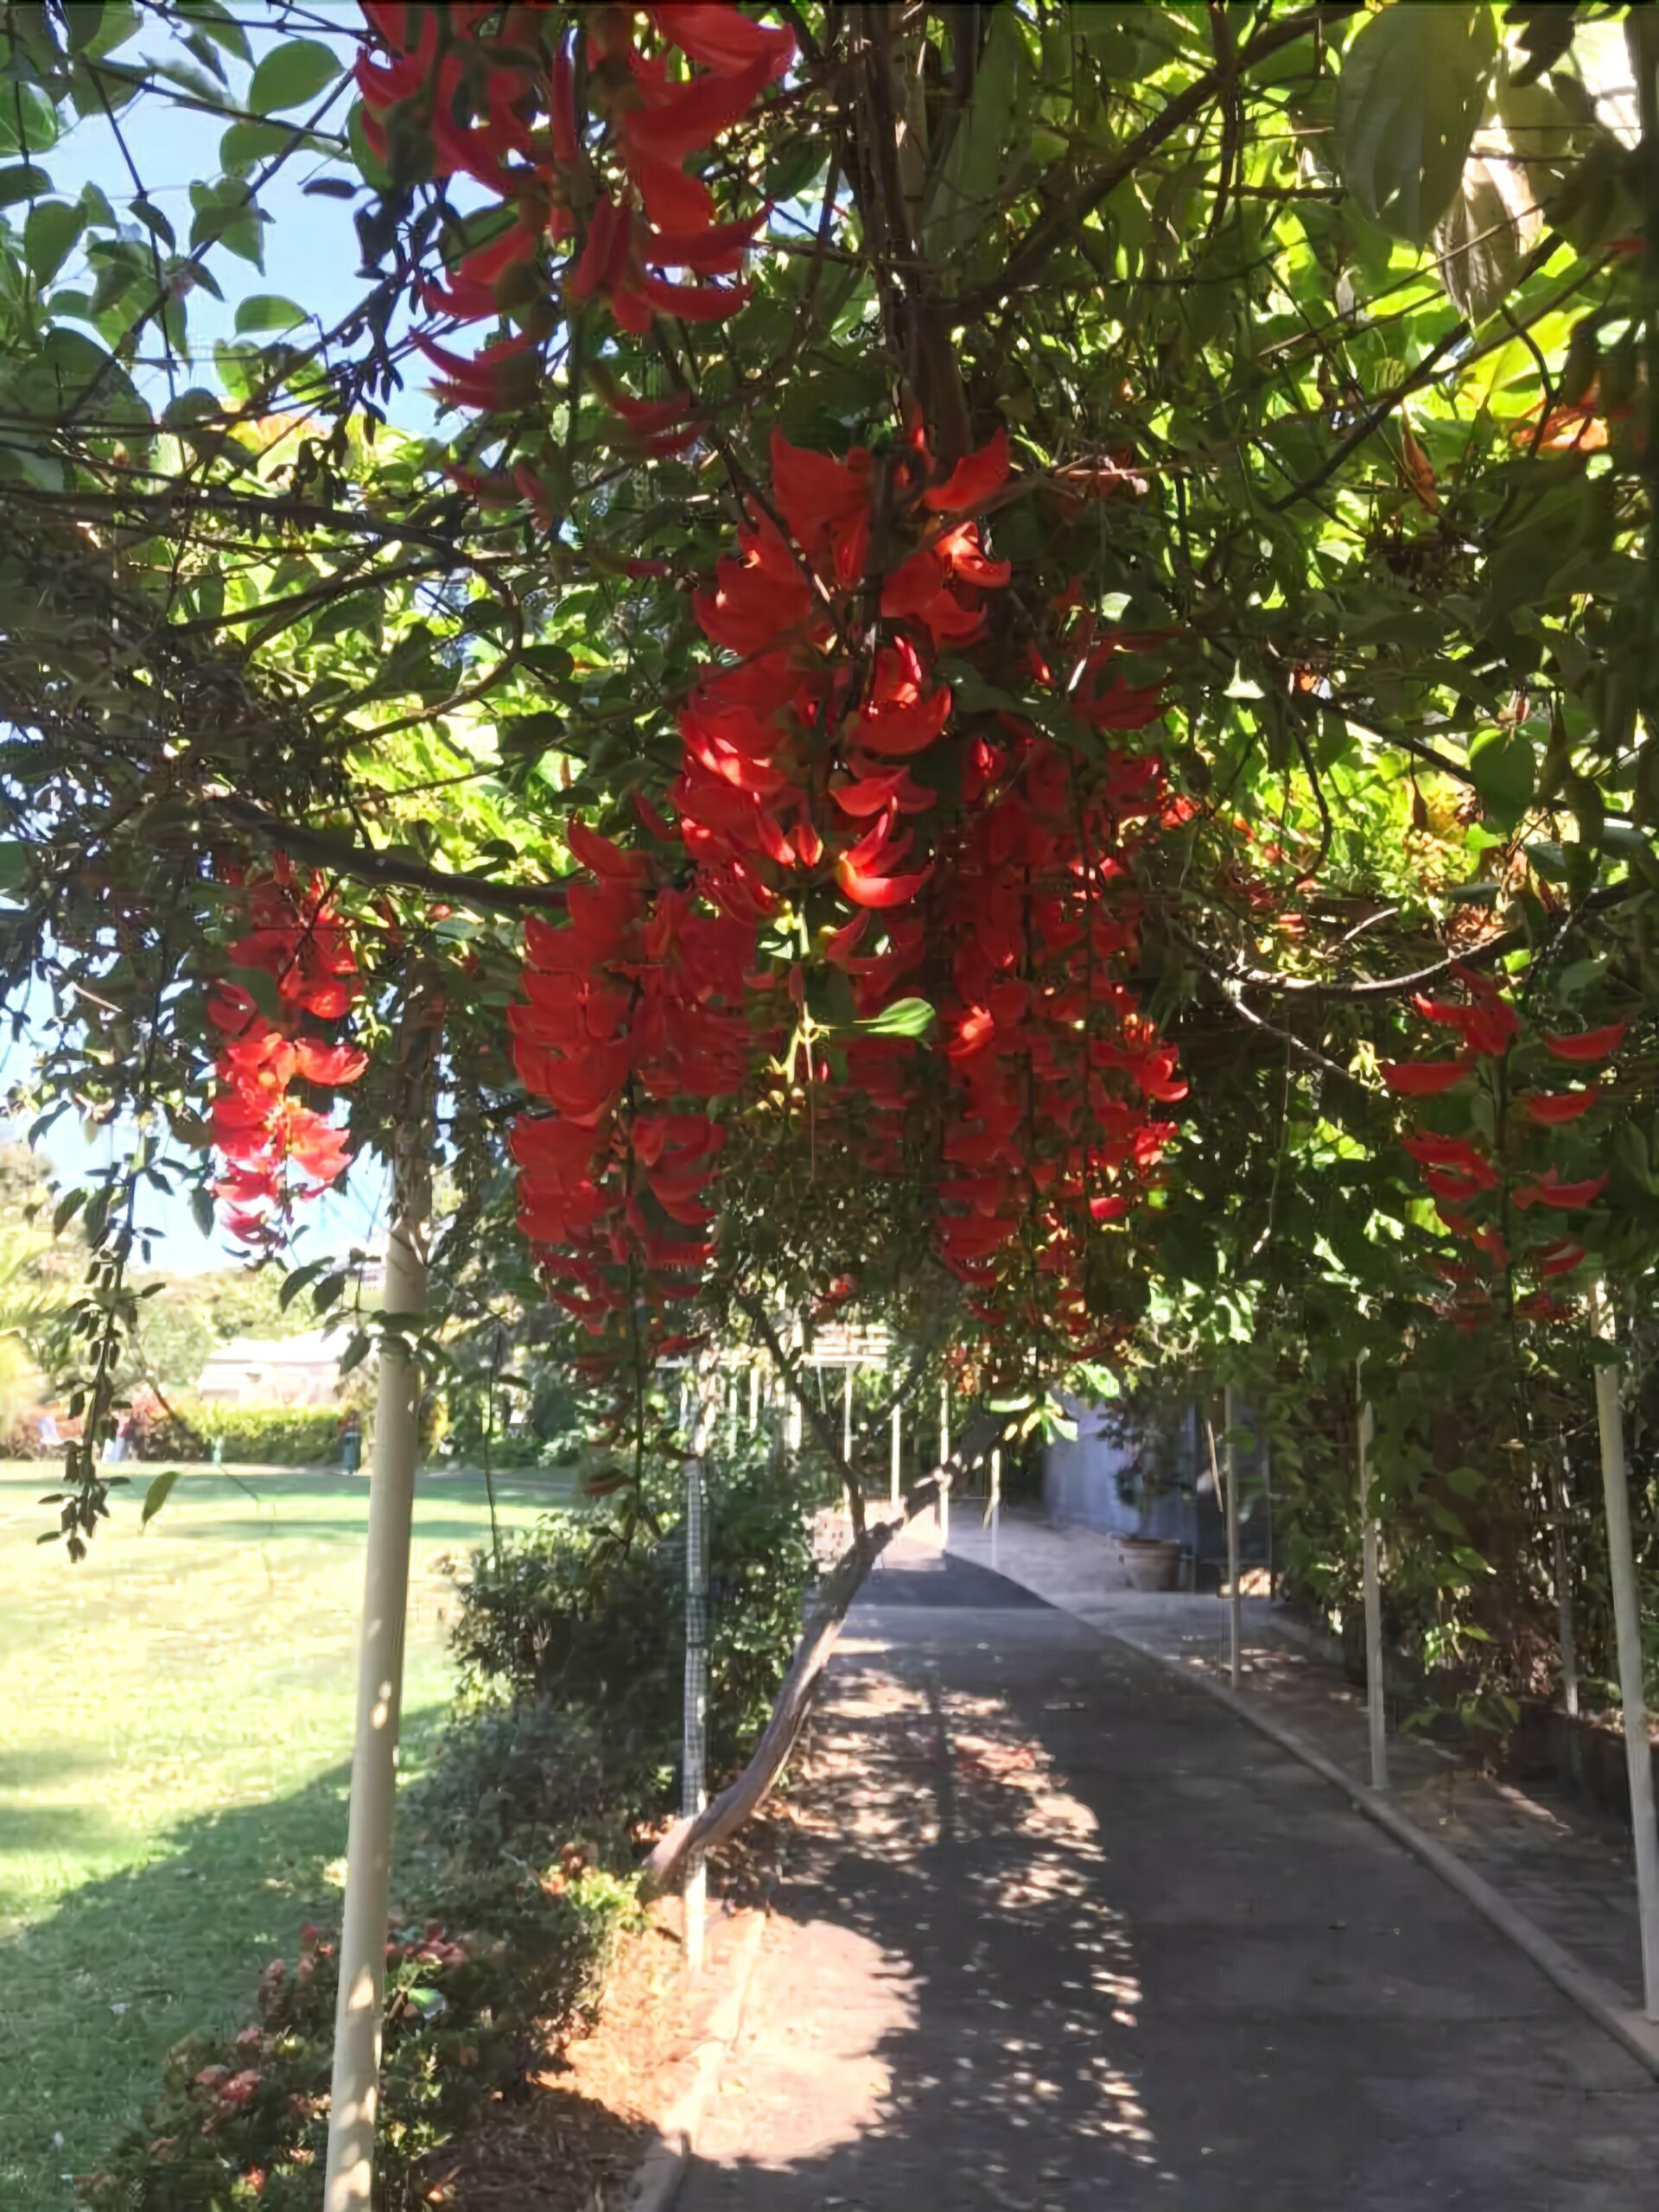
(176,1728)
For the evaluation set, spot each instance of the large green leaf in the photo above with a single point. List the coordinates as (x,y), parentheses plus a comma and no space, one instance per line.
(291,75)
(266,311)
(23,180)
(1502,764)
(1412,90)
(49,236)
(967,184)
(1478,243)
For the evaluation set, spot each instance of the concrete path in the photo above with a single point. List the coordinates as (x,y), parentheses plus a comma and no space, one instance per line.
(1061,1934)
(1569,1869)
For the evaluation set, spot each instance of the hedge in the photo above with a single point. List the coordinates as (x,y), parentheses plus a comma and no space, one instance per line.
(276,1436)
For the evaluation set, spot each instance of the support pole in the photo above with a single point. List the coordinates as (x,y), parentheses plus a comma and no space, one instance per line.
(1235,1595)
(754,1399)
(1627,1619)
(996,1509)
(896,1467)
(349,2169)
(945,1461)
(1376,1704)
(1560,1506)
(847,1418)
(1564,1583)
(694,1745)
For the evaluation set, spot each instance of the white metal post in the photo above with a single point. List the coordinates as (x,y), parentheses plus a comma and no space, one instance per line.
(996,1509)
(944,1516)
(754,1399)
(1564,1583)
(794,1419)
(1235,1595)
(693,1760)
(1375,1706)
(846,1419)
(349,2167)
(1627,1620)
(897,1468)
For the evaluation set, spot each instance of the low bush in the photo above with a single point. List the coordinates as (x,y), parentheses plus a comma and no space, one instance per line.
(242,2120)
(570,1617)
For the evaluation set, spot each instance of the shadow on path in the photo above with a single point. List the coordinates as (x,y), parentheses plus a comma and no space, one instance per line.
(1061,1935)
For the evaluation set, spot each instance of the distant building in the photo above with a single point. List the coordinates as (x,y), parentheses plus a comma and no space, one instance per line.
(273,1371)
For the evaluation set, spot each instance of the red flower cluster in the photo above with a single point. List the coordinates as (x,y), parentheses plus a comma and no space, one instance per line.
(830,794)
(634,1022)
(1053,1068)
(1480,1185)
(275,1148)
(623,205)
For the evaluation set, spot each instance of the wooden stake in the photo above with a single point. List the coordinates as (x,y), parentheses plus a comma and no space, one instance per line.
(1375,1701)
(1627,1621)
(349,2168)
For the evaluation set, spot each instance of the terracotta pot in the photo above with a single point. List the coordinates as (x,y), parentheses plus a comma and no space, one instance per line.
(1150,1562)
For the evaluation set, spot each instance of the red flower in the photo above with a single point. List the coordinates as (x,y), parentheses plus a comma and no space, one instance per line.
(1552,1107)
(1430,1151)
(1421,1078)
(1549,1190)
(1588,1046)
(973,481)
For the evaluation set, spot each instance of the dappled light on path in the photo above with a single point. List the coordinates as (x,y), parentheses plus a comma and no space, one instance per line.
(1056,1934)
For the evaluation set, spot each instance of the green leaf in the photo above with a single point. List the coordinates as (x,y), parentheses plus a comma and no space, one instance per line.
(49,236)
(221,26)
(225,213)
(328,1290)
(1413,86)
(903,1018)
(156,1496)
(1502,764)
(267,311)
(1478,243)
(23,180)
(66,1210)
(154,220)
(291,75)
(203,1212)
(244,145)
(294,1284)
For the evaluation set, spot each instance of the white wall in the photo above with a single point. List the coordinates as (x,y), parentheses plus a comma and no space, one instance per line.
(1080,1478)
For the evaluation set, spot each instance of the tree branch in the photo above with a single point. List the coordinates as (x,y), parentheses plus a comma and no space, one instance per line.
(343,856)
(1053,231)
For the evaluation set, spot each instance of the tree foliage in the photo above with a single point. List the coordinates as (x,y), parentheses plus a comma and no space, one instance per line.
(1320,343)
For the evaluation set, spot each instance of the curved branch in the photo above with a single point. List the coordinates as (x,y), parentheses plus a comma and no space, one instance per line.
(360,864)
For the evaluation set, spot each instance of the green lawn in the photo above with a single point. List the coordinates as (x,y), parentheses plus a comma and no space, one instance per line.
(175,1720)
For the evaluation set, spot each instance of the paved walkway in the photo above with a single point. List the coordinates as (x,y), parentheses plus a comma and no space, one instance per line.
(1570,1871)
(1061,1933)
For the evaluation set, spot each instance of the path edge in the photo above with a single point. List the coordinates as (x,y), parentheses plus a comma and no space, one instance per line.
(1587,1990)
(656,2180)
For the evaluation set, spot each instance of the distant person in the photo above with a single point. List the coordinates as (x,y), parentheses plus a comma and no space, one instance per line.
(51,1436)
(351,1443)
(116,1450)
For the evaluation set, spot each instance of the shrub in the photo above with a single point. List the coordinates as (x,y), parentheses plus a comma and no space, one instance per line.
(570,1617)
(510,1776)
(242,2120)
